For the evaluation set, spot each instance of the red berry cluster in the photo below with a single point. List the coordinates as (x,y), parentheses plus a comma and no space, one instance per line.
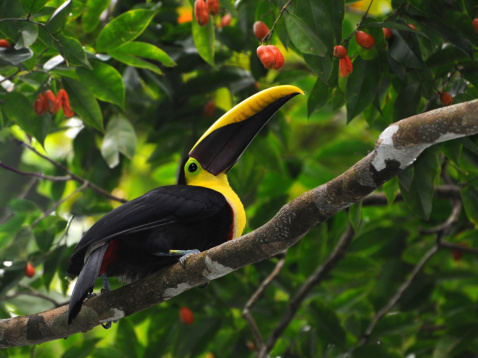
(203,9)
(48,102)
(345,63)
(271,57)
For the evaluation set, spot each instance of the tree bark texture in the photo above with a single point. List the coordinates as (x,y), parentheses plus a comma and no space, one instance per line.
(397,147)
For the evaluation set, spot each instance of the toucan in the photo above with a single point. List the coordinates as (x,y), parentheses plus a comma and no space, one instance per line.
(170,223)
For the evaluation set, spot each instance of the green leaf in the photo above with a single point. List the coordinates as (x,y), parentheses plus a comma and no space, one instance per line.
(303,37)
(324,18)
(393,25)
(325,321)
(84,103)
(142,49)
(124,28)
(120,137)
(405,48)
(126,338)
(204,40)
(91,16)
(13,57)
(407,102)
(420,194)
(19,109)
(27,34)
(72,50)
(469,196)
(134,61)
(57,20)
(81,351)
(391,190)
(362,86)
(105,82)
(355,215)
(32,6)
(318,97)
(449,34)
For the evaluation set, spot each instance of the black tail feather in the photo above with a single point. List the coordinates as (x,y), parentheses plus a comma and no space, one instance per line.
(86,280)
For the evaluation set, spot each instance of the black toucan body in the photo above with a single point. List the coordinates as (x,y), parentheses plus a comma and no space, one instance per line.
(171,222)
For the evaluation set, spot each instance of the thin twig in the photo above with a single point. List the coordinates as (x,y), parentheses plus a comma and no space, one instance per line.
(74,176)
(10,76)
(269,34)
(58,203)
(441,192)
(246,311)
(416,270)
(358,25)
(31,292)
(37,175)
(316,278)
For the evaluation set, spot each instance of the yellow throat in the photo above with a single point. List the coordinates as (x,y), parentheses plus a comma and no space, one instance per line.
(219,183)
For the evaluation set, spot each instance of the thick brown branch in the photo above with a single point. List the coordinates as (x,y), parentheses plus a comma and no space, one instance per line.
(397,147)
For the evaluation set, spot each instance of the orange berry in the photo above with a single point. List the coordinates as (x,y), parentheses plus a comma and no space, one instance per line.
(201,12)
(345,66)
(50,103)
(260,30)
(38,106)
(475,24)
(365,40)
(266,56)
(213,6)
(226,20)
(278,57)
(4,43)
(186,316)
(340,51)
(64,101)
(413,26)
(446,99)
(29,270)
(387,32)
(209,109)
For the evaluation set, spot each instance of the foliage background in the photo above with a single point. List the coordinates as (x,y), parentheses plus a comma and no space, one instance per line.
(138,81)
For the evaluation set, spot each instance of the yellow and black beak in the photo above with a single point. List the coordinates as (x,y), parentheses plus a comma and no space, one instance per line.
(224,142)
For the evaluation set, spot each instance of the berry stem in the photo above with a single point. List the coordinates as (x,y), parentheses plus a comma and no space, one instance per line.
(347,39)
(267,38)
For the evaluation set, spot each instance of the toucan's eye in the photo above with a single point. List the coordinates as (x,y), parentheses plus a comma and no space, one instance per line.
(192,167)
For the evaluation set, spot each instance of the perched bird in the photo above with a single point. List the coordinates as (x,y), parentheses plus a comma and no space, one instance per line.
(172,222)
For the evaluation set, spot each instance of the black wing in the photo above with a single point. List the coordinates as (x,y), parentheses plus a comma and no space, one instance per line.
(159,207)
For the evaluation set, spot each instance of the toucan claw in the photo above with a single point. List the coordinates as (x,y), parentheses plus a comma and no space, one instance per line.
(182,259)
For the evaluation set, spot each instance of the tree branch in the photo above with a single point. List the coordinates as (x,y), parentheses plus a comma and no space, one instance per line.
(397,147)
(73,176)
(312,281)
(246,313)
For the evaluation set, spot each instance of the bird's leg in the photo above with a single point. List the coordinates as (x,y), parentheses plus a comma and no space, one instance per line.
(183,253)
(107,288)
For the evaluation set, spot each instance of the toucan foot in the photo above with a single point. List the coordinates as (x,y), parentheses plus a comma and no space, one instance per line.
(183,253)
(92,294)
(182,259)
